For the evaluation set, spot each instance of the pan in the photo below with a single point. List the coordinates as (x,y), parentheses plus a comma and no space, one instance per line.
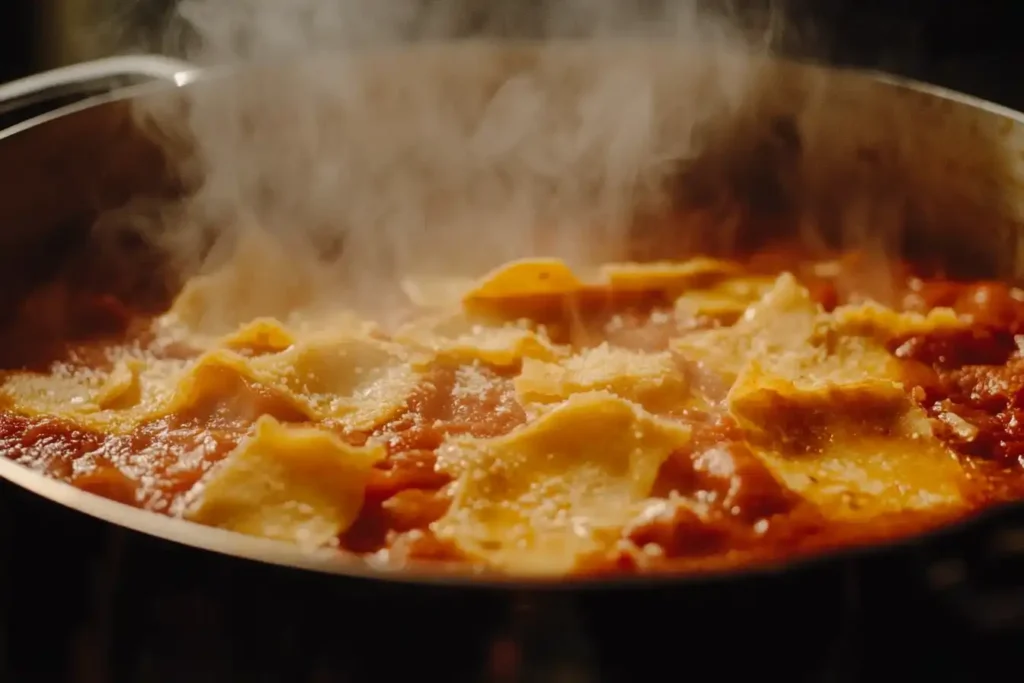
(94,588)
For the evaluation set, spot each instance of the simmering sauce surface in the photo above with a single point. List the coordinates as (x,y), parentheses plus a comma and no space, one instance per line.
(685,416)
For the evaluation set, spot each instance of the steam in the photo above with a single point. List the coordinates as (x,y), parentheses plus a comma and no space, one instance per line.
(361,142)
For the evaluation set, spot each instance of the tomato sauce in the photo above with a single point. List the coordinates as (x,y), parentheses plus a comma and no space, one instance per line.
(969,382)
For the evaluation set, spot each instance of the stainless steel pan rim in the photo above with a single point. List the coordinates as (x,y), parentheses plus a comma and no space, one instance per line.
(79,79)
(170,73)
(340,564)
(945,94)
(147,66)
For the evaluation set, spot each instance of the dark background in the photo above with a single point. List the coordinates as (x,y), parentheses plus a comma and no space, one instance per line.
(17,38)
(972,46)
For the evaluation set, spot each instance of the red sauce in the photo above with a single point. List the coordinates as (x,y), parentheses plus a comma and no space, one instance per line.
(976,376)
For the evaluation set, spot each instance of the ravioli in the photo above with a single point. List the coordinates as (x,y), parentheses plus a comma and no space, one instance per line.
(874,319)
(832,418)
(456,338)
(133,389)
(723,301)
(298,484)
(360,381)
(783,318)
(525,279)
(674,415)
(550,493)
(652,380)
(668,276)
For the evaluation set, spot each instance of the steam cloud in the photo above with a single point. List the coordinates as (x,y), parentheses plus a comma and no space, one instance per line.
(358,163)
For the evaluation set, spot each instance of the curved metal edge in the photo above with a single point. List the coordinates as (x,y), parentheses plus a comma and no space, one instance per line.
(278,553)
(163,72)
(148,66)
(942,93)
(283,554)
(121,95)
(182,531)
